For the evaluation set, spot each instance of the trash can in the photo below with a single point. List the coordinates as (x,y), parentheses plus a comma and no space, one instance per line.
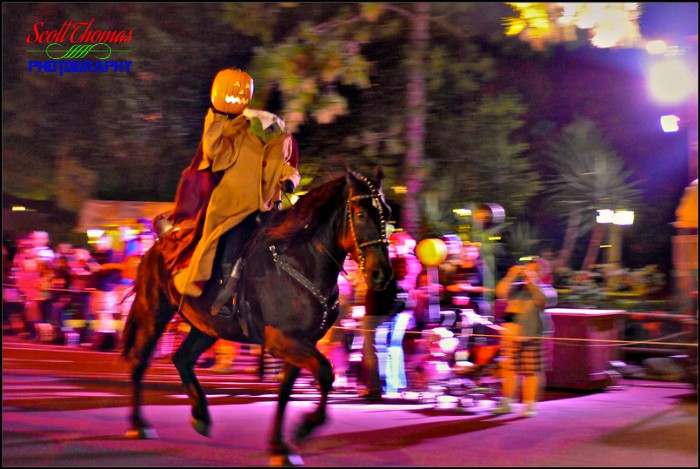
(584,363)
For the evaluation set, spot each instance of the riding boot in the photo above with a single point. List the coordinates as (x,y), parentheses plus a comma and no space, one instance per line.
(225,298)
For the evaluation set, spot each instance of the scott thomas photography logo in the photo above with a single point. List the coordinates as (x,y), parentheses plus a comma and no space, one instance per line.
(77,47)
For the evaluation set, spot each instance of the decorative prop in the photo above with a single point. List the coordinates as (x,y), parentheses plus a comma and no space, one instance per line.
(231,91)
(431,252)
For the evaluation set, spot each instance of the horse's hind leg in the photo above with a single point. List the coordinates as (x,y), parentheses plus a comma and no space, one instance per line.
(184,359)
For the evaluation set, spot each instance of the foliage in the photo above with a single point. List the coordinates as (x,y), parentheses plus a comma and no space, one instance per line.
(522,240)
(589,175)
(336,72)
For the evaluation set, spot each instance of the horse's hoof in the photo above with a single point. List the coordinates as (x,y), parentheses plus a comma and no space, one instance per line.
(286,460)
(303,431)
(141,434)
(200,426)
(305,428)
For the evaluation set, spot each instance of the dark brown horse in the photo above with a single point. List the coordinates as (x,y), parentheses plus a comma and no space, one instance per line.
(286,298)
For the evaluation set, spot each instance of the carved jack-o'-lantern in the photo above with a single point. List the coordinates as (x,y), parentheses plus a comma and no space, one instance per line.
(231,91)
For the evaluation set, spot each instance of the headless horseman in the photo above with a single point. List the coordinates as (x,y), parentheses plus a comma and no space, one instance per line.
(245,161)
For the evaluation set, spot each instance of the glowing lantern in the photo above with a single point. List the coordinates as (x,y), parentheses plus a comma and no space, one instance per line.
(431,252)
(231,91)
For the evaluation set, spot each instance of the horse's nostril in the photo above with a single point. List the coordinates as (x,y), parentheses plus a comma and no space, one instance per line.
(380,277)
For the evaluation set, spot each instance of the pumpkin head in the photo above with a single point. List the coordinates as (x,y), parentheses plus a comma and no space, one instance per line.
(231,91)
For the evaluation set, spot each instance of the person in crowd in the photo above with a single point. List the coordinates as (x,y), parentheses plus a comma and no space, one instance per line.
(129,237)
(28,281)
(24,251)
(525,325)
(332,344)
(380,307)
(108,276)
(448,268)
(253,160)
(467,280)
(47,274)
(6,265)
(406,272)
(61,284)
(41,246)
(225,352)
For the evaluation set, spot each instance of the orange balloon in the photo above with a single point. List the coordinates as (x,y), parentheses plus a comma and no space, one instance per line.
(432,251)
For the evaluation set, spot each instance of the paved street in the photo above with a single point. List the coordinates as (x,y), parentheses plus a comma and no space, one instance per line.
(67,406)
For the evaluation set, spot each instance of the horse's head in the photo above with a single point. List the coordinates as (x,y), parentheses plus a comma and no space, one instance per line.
(365,236)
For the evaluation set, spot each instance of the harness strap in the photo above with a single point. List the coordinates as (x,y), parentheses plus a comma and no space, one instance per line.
(376,196)
(299,277)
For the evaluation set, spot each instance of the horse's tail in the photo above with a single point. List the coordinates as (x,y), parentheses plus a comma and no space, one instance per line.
(129,330)
(129,333)
(130,292)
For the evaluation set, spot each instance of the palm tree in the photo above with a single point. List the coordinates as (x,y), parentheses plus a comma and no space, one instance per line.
(589,175)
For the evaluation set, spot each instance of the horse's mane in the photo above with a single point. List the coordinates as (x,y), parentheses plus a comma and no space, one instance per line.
(309,212)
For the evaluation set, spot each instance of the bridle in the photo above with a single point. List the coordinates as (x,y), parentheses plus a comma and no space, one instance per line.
(328,304)
(377,197)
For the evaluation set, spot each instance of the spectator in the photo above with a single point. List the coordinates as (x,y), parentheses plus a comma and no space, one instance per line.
(524,325)
(469,274)
(448,268)
(46,287)
(41,246)
(333,345)
(61,296)
(380,306)
(28,280)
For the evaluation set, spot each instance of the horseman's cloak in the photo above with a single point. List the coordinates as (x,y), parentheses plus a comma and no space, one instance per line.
(253,173)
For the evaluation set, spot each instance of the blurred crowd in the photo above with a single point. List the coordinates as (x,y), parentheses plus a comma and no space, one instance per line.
(53,293)
(605,285)
(65,286)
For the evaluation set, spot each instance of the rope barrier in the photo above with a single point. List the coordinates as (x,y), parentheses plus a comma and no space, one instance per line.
(562,339)
(559,340)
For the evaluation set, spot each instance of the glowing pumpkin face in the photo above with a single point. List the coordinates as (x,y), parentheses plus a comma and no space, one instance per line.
(231,91)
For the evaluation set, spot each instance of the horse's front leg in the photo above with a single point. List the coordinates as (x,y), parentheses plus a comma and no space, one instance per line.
(185,359)
(301,354)
(323,372)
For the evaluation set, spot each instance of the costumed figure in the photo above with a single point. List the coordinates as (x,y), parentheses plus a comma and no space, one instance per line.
(246,159)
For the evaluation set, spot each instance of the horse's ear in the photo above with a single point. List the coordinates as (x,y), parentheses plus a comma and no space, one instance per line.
(378,175)
(349,174)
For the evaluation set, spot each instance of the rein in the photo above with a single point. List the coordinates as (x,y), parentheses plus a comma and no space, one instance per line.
(299,277)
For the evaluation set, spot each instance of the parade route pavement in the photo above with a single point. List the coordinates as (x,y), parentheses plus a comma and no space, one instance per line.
(58,416)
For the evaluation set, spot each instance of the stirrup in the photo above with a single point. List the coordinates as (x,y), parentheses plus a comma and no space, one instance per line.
(224,298)
(226,294)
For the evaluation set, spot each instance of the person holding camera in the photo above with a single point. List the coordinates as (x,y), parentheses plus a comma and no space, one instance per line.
(525,325)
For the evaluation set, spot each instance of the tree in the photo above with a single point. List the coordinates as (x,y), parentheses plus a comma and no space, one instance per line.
(314,65)
(347,77)
(589,175)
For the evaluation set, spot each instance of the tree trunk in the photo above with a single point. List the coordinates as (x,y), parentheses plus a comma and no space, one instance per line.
(614,254)
(572,227)
(593,245)
(415,125)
